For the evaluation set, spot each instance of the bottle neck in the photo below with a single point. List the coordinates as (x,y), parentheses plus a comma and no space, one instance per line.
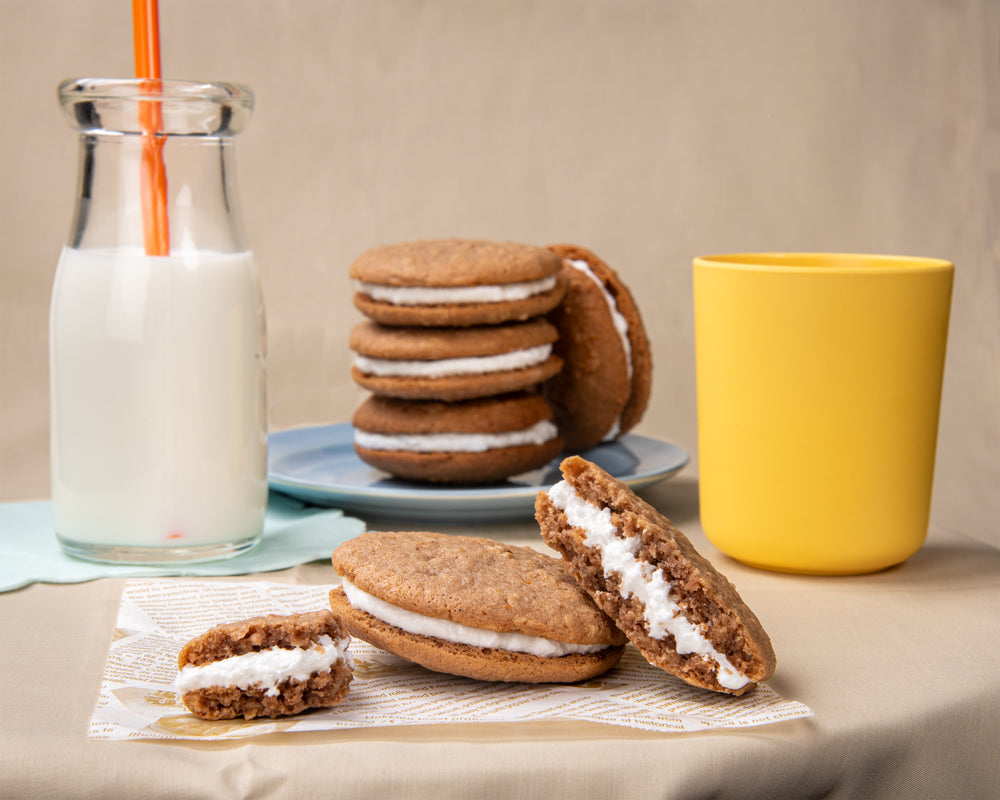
(202,198)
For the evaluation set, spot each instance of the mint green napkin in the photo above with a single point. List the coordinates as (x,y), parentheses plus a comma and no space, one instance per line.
(294,533)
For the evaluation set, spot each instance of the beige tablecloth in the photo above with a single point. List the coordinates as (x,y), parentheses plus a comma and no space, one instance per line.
(901,668)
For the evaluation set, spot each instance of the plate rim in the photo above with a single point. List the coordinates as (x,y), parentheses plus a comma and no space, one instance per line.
(471,495)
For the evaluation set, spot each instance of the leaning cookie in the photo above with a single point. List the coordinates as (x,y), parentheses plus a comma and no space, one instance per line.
(472,607)
(269,666)
(453,363)
(604,386)
(456,282)
(682,615)
(472,441)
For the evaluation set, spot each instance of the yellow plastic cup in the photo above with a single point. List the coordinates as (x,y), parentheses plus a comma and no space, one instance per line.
(819,386)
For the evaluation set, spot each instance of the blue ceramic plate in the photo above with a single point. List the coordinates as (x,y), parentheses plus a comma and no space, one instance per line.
(319,465)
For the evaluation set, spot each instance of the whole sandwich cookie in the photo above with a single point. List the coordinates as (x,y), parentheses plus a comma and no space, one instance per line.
(456,282)
(471,441)
(472,607)
(453,363)
(682,615)
(604,386)
(266,667)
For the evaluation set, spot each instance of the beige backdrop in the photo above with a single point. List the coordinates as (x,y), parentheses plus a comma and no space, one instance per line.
(650,131)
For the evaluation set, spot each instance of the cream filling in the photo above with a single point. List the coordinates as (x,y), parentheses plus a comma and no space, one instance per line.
(444,367)
(639,579)
(455,632)
(436,295)
(265,668)
(539,433)
(621,327)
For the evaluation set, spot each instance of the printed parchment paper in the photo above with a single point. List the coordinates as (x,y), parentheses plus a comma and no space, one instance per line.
(156,618)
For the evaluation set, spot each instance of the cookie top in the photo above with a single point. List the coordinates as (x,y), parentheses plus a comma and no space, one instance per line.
(456,282)
(603,389)
(259,633)
(645,574)
(454,262)
(475,582)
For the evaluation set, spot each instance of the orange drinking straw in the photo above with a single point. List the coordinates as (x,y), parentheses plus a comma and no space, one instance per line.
(146,35)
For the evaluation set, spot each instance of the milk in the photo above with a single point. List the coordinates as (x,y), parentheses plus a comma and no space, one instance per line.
(159,435)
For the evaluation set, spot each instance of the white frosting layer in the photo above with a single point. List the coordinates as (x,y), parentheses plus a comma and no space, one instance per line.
(435,295)
(539,433)
(265,668)
(442,367)
(621,327)
(455,632)
(638,578)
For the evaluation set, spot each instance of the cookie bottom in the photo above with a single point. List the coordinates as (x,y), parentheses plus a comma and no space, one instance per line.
(451,467)
(483,664)
(320,690)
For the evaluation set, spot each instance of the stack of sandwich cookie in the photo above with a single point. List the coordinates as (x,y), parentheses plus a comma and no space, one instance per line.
(268,666)
(682,615)
(472,607)
(454,350)
(603,389)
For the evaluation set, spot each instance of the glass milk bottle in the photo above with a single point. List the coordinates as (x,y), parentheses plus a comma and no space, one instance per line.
(157,355)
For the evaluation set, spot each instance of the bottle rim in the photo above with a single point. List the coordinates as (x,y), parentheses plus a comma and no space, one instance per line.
(186,108)
(75,89)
